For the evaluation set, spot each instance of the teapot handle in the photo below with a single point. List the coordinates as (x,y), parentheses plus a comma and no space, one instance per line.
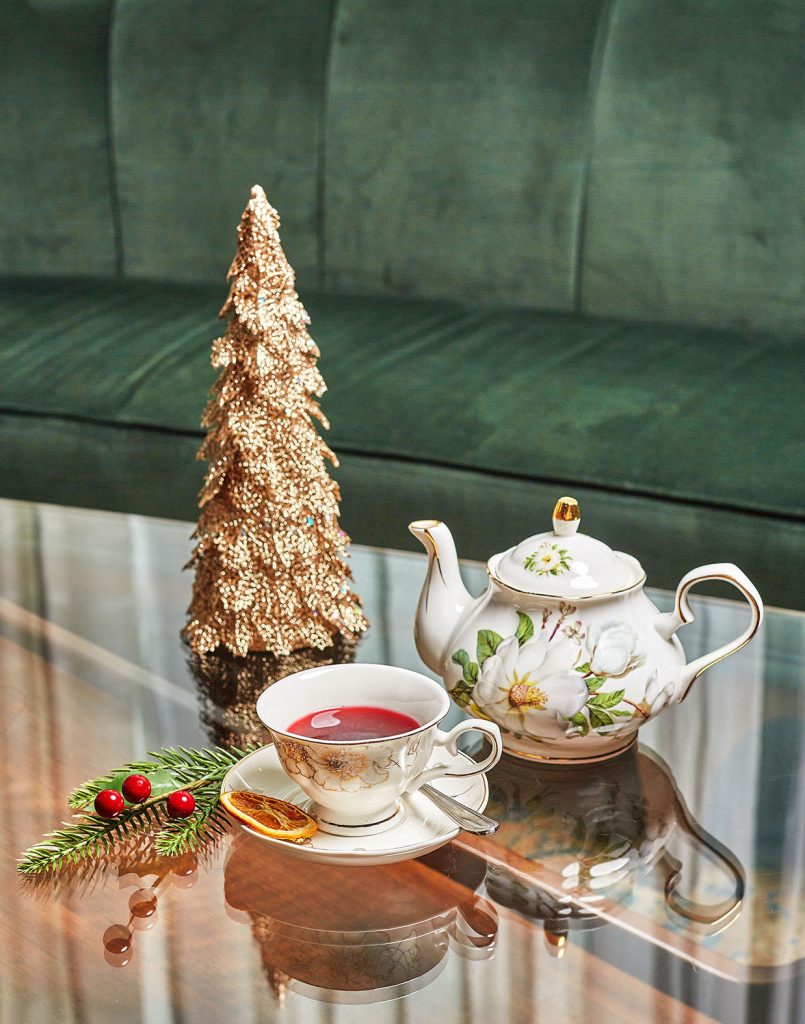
(711,917)
(670,622)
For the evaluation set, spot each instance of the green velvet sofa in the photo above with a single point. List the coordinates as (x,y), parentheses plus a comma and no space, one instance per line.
(547,247)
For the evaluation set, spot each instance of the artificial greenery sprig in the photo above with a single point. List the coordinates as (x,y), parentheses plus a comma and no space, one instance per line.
(197,771)
(184,766)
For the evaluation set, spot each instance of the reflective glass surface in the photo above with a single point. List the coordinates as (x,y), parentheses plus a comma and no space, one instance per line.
(663,886)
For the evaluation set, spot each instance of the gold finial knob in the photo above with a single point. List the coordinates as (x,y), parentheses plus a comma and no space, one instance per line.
(566,517)
(567,509)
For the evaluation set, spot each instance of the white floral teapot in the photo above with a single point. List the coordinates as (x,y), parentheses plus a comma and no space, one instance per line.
(564,651)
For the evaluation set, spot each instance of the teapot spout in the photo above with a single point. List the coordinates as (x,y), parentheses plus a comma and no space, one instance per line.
(444,596)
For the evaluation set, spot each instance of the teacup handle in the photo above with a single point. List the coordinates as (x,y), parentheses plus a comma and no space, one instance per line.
(474,930)
(450,741)
(682,614)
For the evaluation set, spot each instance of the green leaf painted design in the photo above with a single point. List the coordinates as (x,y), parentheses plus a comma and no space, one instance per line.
(621,713)
(468,668)
(460,657)
(462,693)
(488,643)
(599,717)
(607,700)
(579,720)
(584,669)
(525,628)
(595,683)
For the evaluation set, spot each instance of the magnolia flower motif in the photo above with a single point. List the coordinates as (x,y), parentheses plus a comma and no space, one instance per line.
(338,769)
(657,694)
(521,687)
(548,560)
(613,649)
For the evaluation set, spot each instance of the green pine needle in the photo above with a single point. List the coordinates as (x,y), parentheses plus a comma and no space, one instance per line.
(185,766)
(206,826)
(89,835)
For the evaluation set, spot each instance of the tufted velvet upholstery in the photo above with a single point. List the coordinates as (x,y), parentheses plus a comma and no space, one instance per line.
(614,157)
(546,246)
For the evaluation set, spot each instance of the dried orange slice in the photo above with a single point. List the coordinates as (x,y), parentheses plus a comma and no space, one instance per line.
(269,816)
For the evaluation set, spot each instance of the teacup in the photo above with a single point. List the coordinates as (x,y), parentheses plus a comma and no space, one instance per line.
(355,785)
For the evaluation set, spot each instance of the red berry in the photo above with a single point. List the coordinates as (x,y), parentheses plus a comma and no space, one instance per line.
(109,803)
(136,788)
(181,804)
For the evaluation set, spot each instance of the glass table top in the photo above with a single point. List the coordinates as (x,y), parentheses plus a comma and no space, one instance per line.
(667,885)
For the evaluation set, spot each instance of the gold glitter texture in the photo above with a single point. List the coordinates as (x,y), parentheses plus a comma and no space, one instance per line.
(270,557)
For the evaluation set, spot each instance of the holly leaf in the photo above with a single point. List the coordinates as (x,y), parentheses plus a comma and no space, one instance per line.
(607,700)
(488,643)
(525,628)
(599,717)
(579,720)
(162,781)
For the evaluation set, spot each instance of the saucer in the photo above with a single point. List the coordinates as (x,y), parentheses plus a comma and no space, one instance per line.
(420,826)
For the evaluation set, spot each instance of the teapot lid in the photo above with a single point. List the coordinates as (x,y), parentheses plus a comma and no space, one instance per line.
(565,563)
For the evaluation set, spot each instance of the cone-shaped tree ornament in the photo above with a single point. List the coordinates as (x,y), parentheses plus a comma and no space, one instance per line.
(270,558)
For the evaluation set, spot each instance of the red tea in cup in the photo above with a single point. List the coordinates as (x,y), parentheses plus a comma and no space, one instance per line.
(361,722)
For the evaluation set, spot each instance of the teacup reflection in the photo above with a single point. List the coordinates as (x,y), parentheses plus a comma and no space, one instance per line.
(359,935)
(588,834)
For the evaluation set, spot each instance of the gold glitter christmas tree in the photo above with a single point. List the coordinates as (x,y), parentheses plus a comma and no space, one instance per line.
(270,558)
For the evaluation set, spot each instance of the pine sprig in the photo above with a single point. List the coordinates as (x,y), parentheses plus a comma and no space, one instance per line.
(185,766)
(88,834)
(208,824)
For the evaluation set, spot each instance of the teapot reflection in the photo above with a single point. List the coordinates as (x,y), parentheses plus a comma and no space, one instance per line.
(582,839)
(359,935)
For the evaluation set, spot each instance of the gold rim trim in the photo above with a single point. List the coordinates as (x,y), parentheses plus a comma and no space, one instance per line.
(547,759)
(575,599)
(424,524)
